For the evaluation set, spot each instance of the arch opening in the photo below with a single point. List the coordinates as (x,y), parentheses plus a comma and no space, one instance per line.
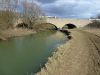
(23,25)
(69,26)
(53,27)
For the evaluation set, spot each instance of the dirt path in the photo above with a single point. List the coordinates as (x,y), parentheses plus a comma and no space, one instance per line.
(79,56)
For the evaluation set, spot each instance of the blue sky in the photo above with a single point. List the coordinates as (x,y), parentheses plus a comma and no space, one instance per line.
(70,8)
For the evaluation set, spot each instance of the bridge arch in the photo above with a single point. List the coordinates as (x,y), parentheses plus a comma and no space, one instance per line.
(22,25)
(47,26)
(69,26)
(60,22)
(54,26)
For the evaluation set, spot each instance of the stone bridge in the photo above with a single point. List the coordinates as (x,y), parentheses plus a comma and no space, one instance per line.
(60,22)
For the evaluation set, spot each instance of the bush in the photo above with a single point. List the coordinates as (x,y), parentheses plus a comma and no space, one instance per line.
(94,24)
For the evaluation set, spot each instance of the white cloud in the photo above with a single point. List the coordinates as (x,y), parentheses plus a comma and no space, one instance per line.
(78,8)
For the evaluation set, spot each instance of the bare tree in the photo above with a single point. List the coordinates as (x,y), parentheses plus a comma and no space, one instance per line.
(10,11)
(7,12)
(31,11)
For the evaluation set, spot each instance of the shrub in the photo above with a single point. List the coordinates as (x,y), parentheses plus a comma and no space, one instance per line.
(94,24)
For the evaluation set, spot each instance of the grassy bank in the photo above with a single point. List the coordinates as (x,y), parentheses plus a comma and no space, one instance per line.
(9,33)
(14,32)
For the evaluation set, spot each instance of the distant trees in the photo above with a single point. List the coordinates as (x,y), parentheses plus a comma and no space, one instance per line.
(96,17)
(95,22)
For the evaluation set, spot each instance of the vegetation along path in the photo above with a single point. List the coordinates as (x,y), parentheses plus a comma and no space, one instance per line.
(79,56)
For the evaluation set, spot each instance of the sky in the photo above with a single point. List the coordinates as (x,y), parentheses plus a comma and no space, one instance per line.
(70,8)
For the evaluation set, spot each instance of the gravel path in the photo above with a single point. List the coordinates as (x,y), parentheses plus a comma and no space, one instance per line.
(79,56)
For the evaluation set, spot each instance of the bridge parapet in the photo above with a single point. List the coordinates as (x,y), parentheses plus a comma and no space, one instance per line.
(60,22)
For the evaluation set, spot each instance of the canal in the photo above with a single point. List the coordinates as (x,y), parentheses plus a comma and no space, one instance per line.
(26,55)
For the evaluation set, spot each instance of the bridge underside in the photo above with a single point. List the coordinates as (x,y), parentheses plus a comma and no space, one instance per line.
(61,22)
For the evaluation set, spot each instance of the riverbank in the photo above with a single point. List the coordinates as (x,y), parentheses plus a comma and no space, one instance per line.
(21,31)
(79,56)
(9,33)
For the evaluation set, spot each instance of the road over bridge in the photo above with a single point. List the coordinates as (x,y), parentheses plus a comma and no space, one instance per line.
(60,22)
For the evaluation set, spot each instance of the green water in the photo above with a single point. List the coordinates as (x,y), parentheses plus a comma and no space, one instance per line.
(25,55)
